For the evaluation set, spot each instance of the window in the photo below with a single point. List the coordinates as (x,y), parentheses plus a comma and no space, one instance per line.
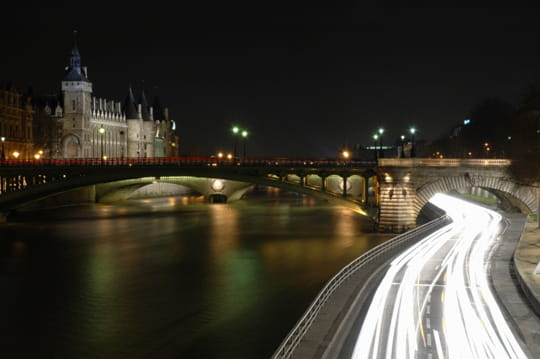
(73,103)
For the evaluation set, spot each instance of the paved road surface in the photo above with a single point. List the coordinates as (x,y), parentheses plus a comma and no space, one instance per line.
(435,301)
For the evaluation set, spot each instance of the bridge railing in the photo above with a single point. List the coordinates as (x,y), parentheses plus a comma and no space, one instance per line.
(443,162)
(186,161)
(287,347)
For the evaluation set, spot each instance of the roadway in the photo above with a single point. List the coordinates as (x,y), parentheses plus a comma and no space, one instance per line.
(435,301)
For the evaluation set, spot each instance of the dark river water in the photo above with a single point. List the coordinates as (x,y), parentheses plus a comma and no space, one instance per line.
(169,277)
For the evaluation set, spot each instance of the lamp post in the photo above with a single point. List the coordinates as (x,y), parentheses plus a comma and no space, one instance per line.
(375,148)
(244,136)
(235,131)
(101,133)
(3,139)
(402,146)
(413,147)
(381,131)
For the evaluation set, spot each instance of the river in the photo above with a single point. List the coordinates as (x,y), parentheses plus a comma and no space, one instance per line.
(169,277)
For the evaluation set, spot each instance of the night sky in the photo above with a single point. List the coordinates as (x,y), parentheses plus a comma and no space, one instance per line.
(303,81)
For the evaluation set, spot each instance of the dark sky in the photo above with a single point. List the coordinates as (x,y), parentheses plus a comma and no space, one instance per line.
(304,81)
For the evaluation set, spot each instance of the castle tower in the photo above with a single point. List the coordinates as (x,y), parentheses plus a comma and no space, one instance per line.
(134,126)
(148,127)
(77,93)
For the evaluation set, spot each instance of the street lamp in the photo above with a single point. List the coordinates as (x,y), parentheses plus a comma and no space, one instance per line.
(413,147)
(345,154)
(244,136)
(235,131)
(375,148)
(402,146)
(3,139)
(381,131)
(101,133)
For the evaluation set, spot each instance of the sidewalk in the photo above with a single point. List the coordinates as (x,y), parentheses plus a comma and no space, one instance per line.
(527,258)
(507,284)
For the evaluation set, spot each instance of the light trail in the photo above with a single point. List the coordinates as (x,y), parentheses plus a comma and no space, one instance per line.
(451,265)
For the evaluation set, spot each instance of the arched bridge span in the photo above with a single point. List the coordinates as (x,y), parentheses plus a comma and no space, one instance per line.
(406,185)
(345,181)
(399,188)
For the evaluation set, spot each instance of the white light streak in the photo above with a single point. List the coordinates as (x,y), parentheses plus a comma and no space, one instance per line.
(450,263)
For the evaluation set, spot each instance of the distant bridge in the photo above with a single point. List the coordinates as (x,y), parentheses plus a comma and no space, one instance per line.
(392,191)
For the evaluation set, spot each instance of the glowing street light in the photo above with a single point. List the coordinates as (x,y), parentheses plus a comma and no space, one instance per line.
(412,130)
(345,154)
(402,146)
(244,136)
(235,130)
(16,154)
(381,153)
(375,149)
(101,133)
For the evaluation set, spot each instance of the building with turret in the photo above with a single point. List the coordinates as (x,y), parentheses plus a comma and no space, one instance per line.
(77,124)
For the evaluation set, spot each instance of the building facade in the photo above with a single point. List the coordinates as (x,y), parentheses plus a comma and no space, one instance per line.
(16,114)
(77,124)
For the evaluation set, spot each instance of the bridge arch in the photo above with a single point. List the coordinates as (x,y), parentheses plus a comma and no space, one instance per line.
(522,197)
(27,189)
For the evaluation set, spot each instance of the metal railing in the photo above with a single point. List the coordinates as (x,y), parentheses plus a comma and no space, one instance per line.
(443,162)
(187,161)
(294,337)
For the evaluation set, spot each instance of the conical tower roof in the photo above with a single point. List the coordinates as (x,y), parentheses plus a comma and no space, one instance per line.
(129,105)
(74,71)
(144,107)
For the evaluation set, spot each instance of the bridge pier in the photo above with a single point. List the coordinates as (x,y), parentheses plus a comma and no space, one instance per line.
(365,189)
(396,202)
(323,183)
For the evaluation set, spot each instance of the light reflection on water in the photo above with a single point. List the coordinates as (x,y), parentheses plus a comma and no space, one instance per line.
(171,277)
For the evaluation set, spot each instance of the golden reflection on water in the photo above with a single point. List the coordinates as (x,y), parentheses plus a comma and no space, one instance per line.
(223,228)
(346,228)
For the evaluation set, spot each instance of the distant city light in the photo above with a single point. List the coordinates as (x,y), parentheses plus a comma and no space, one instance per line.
(466,121)
(345,154)
(220,155)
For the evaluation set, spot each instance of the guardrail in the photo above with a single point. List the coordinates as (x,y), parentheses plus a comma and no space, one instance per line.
(294,337)
(186,161)
(443,162)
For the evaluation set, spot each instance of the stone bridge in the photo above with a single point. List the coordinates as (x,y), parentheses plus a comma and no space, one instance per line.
(406,185)
(345,182)
(392,191)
